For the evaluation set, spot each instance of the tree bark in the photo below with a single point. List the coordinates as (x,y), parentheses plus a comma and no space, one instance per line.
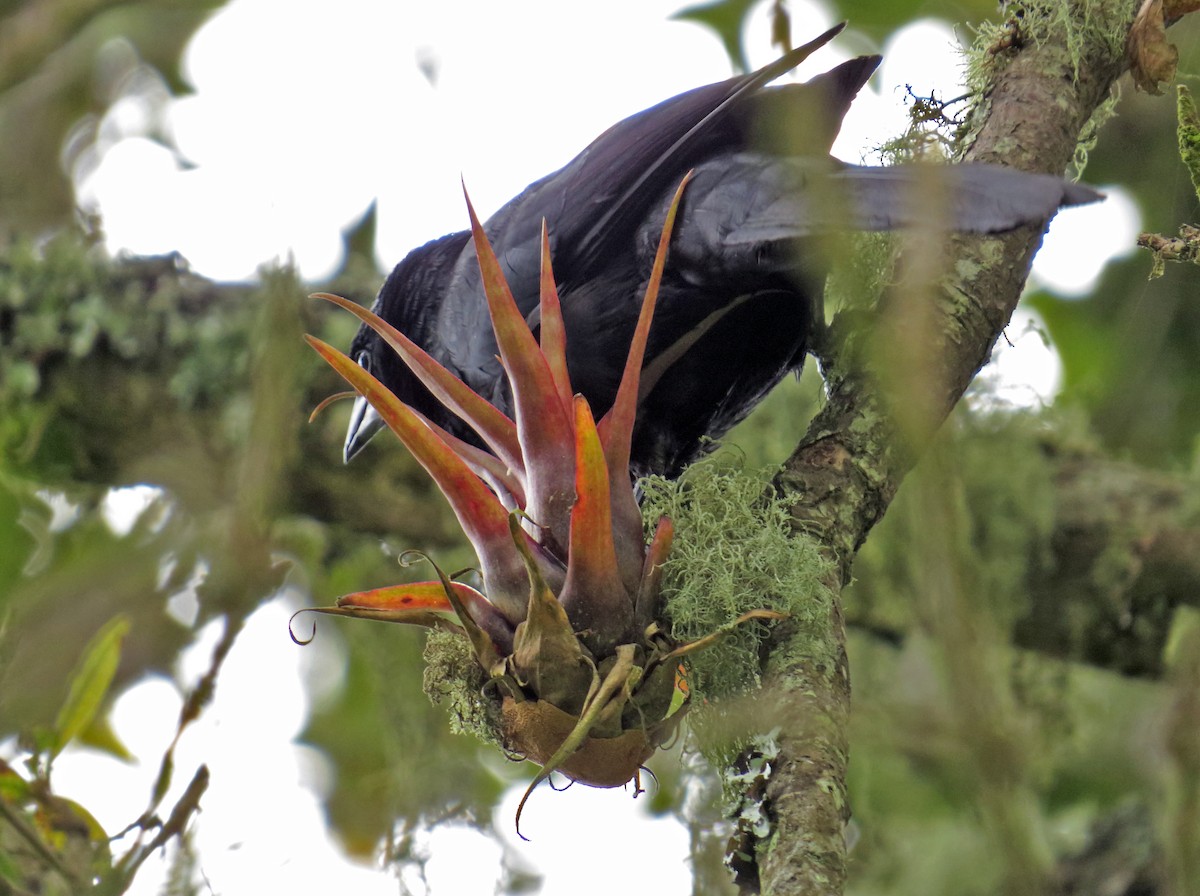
(891,384)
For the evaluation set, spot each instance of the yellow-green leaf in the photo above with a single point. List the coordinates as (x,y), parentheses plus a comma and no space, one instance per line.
(90,681)
(100,736)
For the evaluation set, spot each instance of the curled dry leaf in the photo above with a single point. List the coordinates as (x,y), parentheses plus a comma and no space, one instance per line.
(1152,60)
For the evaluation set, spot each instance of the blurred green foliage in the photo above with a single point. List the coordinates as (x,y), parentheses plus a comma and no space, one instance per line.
(970,756)
(63,64)
(140,373)
(1129,349)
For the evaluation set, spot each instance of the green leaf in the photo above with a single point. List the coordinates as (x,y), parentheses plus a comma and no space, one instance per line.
(100,736)
(13,788)
(77,812)
(727,19)
(90,682)
(358,241)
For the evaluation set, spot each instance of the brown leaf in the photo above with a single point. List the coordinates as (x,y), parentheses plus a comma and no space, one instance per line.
(547,657)
(537,729)
(1152,60)
(1174,8)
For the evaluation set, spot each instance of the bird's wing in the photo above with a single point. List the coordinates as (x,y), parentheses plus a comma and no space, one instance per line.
(598,202)
(631,165)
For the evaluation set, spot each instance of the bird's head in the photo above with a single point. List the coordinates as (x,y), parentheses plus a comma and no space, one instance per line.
(364,419)
(404,296)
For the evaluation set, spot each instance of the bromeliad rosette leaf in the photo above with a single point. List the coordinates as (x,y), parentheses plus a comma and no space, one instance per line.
(566,627)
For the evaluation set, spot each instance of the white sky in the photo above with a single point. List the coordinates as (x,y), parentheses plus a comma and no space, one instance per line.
(305,111)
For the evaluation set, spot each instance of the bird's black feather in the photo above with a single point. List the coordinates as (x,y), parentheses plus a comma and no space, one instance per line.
(742,286)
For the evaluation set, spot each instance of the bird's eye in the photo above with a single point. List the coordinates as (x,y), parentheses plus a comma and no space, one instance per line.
(364,361)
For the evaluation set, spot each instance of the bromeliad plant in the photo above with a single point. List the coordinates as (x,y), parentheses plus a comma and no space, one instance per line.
(580,671)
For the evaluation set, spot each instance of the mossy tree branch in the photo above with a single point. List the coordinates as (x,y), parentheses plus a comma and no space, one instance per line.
(891,383)
(117,373)
(1097,555)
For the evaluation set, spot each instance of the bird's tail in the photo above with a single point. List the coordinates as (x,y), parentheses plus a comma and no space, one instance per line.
(747,212)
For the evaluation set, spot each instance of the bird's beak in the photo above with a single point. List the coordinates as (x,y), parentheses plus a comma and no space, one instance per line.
(364,423)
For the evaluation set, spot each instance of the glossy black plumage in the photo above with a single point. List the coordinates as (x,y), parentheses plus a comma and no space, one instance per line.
(743,282)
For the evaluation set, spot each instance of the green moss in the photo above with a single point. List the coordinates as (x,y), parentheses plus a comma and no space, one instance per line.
(64,300)
(1075,25)
(1091,130)
(1010,497)
(1189,136)
(454,680)
(1072,25)
(928,137)
(735,551)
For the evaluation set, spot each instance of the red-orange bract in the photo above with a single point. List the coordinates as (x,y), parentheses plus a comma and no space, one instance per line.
(566,627)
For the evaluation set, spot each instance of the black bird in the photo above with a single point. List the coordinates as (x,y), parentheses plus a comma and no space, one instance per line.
(741,293)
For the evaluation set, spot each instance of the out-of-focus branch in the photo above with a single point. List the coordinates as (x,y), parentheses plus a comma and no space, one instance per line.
(38,28)
(1108,552)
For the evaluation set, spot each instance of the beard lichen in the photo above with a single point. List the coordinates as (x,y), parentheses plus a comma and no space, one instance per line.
(1075,26)
(735,551)
(453,679)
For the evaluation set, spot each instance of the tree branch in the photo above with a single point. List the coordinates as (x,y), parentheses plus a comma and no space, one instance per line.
(1096,555)
(890,385)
